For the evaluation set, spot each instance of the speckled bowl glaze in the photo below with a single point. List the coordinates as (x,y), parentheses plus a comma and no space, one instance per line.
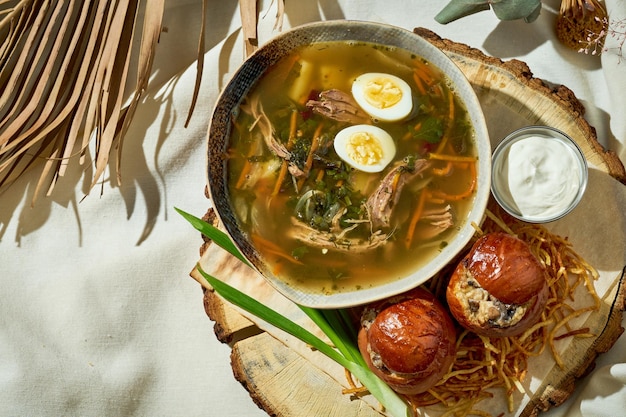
(258,64)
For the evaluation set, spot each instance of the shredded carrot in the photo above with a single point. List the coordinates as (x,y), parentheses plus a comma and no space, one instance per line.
(292,128)
(444,140)
(443,143)
(245,170)
(281,178)
(442,172)
(418,83)
(277,269)
(309,159)
(417,214)
(320,175)
(408,135)
(271,247)
(464,194)
(434,200)
(244,173)
(283,168)
(453,158)
(396,181)
(314,145)
(423,72)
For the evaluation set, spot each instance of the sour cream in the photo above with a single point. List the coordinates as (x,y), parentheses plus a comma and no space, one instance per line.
(539,174)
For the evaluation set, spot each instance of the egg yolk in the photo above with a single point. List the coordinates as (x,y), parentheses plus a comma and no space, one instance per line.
(364,148)
(382,92)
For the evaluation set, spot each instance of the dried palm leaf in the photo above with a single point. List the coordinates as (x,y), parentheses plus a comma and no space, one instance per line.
(247,9)
(64,67)
(64,71)
(199,63)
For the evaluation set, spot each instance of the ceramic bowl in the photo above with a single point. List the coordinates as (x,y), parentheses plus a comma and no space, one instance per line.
(256,66)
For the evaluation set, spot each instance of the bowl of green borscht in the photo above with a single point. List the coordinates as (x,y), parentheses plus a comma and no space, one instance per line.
(348,161)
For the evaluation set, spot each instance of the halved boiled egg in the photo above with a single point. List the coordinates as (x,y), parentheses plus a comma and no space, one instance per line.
(365,147)
(383,96)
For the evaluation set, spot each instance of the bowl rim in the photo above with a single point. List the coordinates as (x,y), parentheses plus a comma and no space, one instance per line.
(252,67)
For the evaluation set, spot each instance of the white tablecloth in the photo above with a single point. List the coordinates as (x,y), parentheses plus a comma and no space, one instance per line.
(98,316)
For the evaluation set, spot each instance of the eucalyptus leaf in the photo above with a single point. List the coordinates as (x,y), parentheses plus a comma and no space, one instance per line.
(504,9)
(517,9)
(458,9)
(534,14)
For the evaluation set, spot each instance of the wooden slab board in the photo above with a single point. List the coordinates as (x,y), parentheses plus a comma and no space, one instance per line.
(285,384)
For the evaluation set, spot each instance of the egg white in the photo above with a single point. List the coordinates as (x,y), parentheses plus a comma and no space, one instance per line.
(365,147)
(395,102)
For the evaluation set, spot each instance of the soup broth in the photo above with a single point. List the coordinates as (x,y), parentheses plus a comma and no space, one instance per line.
(327,223)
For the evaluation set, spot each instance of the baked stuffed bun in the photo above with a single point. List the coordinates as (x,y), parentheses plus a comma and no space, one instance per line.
(499,288)
(408,341)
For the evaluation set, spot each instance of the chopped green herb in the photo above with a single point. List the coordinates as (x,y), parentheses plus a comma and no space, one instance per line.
(299,252)
(431,130)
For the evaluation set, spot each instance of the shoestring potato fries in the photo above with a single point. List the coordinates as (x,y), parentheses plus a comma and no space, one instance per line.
(487,367)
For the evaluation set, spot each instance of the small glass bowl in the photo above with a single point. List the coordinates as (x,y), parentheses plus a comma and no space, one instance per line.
(524,174)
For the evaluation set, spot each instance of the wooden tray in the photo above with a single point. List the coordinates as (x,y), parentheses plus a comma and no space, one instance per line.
(285,384)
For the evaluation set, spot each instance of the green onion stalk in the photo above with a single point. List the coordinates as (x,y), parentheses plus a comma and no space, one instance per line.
(333,323)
